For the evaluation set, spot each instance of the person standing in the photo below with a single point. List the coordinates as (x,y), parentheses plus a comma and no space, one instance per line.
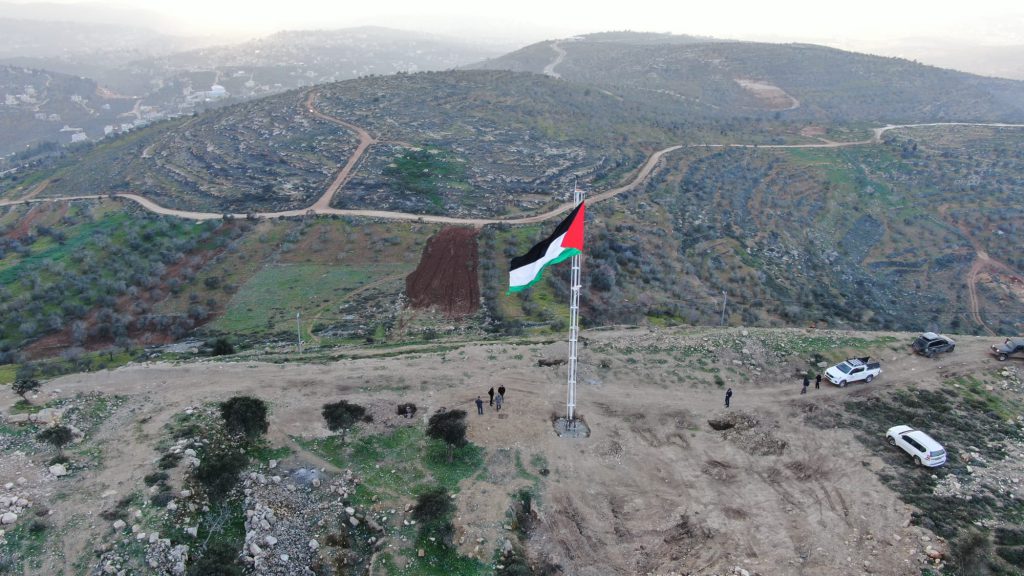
(479,405)
(817,382)
(728,395)
(491,394)
(501,390)
(807,382)
(498,399)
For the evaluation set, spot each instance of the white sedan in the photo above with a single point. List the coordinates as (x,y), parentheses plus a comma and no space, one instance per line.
(924,449)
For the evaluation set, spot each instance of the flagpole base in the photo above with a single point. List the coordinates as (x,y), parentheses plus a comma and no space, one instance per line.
(575,428)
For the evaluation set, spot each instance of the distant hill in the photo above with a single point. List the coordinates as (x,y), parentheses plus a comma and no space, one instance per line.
(137,66)
(41,106)
(793,81)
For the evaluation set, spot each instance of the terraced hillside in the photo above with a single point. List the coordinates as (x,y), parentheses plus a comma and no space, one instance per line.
(795,81)
(914,233)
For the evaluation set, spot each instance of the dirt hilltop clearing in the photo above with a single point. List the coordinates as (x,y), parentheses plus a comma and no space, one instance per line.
(654,490)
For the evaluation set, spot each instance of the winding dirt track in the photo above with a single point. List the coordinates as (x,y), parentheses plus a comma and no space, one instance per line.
(323,204)
(549,70)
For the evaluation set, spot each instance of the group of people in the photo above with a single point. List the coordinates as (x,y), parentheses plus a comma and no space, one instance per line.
(496,400)
(807,382)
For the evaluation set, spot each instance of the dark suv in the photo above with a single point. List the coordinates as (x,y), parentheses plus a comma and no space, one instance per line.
(1010,346)
(929,344)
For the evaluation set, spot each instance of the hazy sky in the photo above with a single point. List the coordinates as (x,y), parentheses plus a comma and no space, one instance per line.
(868,21)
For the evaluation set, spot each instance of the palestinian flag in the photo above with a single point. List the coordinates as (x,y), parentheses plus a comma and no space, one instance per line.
(565,242)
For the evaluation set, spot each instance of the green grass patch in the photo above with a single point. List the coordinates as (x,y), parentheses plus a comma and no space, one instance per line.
(267,302)
(26,544)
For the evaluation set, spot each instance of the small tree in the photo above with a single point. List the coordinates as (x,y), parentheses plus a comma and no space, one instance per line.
(23,386)
(450,428)
(342,415)
(58,436)
(245,415)
(433,511)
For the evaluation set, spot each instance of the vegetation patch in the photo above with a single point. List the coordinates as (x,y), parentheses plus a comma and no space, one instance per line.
(960,500)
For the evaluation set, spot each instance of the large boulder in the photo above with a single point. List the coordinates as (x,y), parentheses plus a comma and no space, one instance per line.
(58,470)
(8,518)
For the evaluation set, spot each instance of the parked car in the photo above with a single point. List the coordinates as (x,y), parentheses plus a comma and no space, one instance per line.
(929,344)
(922,447)
(853,370)
(1008,348)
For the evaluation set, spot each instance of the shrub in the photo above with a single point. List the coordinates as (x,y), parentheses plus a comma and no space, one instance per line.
(971,553)
(58,436)
(222,347)
(218,471)
(433,511)
(342,415)
(450,428)
(23,386)
(245,415)
(220,559)
(155,478)
(160,499)
(169,460)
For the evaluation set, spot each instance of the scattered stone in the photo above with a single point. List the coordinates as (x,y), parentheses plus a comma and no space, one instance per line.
(58,470)
(192,531)
(313,544)
(119,524)
(272,464)
(8,518)
(270,540)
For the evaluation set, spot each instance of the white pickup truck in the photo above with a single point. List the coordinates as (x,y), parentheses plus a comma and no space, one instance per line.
(853,370)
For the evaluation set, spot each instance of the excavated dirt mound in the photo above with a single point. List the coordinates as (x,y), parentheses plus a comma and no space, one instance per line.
(446,276)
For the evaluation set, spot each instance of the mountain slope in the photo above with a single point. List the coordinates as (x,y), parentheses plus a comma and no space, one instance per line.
(722,79)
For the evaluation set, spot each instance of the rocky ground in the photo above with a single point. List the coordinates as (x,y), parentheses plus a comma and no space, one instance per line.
(668,482)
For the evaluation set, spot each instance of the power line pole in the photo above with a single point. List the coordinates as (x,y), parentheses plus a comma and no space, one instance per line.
(298,331)
(725,298)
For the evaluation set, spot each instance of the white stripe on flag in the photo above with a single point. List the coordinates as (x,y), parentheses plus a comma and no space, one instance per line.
(525,274)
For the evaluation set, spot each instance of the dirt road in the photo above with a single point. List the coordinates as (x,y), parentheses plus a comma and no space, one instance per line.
(549,70)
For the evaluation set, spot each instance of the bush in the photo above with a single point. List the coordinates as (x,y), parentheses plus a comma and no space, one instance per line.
(160,499)
(450,428)
(433,512)
(971,553)
(218,471)
(23,386)
(58,436)
(222,347)
(220,559)
(342,415)
(245,415)
(169,460)
(155,478)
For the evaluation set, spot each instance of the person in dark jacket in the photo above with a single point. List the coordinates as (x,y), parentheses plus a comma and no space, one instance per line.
(728,395)
(807,382)
(817,382)
(479,405)
(491,394)
(501,390)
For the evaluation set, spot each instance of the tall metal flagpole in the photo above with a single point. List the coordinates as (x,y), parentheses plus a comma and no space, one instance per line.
(574,319)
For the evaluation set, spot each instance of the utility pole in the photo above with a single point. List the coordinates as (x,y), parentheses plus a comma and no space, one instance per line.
(298,331)
(725,298)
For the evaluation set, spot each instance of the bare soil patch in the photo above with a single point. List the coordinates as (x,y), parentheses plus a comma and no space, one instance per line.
(447,274)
